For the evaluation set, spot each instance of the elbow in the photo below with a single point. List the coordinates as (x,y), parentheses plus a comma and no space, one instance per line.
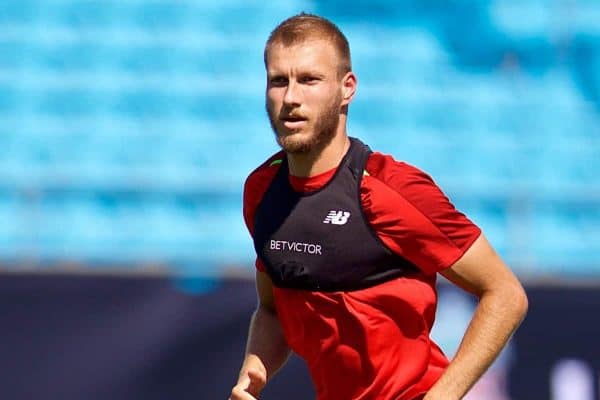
(523,302)
(517,298)
(508,299)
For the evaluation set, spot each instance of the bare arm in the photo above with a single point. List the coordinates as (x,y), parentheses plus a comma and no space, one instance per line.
(266,349)
(502,306)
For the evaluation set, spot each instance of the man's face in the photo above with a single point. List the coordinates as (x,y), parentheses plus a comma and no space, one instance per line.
(304,94)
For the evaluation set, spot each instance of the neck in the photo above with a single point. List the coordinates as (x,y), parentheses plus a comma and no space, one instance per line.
(321,159)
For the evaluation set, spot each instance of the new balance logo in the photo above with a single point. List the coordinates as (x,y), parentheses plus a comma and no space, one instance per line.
(337,217)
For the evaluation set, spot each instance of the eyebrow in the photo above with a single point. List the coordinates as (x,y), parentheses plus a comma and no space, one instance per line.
(317,74)
(310,72)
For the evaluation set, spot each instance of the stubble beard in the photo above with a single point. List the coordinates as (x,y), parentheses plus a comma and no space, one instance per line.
(324,131)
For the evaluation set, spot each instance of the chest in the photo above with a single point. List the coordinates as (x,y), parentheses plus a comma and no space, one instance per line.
(320,241)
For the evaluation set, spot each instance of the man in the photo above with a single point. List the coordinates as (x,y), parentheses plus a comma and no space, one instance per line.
(349,243)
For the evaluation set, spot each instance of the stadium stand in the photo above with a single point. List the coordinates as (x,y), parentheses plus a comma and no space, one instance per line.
(128,127)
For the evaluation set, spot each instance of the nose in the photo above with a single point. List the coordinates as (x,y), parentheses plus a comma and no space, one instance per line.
(292,94)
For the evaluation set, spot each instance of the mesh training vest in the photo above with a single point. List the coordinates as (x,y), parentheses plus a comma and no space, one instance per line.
(321,241)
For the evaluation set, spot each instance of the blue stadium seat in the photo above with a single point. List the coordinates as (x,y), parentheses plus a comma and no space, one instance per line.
(110,112)
(565,239)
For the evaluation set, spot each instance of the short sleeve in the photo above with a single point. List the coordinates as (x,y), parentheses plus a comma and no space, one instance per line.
(412,216)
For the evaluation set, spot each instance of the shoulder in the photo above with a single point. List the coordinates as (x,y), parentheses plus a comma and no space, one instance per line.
(403,178)
(264,173)
(257,183)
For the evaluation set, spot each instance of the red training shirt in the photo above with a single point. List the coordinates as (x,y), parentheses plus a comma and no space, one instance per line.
(374,344)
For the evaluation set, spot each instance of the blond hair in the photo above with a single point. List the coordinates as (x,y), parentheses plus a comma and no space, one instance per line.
(303,27)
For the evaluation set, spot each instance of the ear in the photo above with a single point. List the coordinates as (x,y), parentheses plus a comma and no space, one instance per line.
(349,84)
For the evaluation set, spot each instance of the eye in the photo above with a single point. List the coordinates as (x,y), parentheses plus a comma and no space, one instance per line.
(278,81)
(309,79)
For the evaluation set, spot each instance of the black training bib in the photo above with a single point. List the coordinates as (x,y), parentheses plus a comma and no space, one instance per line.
(320,240)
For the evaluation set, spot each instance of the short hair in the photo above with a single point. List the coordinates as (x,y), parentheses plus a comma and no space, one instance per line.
(304,26)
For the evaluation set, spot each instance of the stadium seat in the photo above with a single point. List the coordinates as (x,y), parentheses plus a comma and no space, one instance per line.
(112,113)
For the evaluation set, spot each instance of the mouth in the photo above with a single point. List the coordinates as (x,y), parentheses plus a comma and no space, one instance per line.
(293,121)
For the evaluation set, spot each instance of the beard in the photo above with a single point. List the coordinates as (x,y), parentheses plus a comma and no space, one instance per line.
(323,132)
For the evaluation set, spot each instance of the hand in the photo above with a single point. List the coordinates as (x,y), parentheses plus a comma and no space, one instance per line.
(249,385)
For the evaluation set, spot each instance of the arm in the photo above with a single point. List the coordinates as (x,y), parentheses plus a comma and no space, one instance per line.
(502,306)
(266,349)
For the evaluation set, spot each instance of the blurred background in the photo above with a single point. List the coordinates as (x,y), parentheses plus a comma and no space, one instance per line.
(127,129)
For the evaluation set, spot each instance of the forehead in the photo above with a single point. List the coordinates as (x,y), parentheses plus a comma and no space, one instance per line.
(310,54)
